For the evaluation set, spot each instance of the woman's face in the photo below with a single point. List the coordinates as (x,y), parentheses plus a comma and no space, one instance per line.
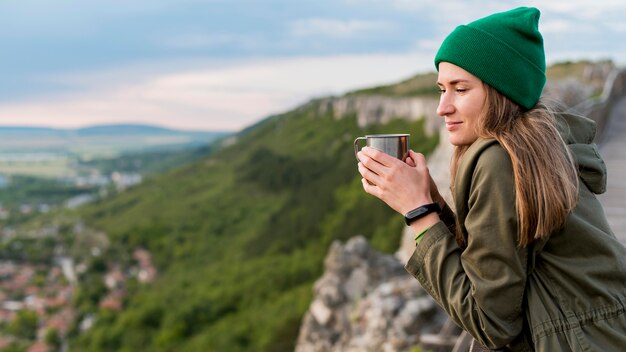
(462,98)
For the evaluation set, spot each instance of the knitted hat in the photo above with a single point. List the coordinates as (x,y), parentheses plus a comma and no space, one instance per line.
(504,50)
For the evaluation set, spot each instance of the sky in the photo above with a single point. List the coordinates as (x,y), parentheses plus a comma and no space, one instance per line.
(226,64)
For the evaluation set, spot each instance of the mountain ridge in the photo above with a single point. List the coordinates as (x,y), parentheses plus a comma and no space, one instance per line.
(105,129)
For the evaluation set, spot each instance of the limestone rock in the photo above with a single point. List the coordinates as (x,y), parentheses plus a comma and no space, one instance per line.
(366,301)
(376,109)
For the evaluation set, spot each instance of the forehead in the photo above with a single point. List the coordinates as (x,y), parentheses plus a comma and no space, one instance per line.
(452,73)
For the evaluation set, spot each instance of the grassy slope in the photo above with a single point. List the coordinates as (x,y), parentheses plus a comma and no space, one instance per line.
(240,237)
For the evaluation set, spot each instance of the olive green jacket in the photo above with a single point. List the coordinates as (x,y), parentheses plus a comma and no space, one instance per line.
(566,293)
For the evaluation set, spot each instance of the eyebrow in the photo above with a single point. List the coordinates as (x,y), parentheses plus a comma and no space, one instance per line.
(453,82)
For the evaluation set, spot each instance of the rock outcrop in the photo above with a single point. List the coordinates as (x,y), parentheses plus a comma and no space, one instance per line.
(377,109)
(366,301)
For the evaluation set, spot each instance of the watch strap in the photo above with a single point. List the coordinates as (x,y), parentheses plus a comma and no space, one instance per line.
(420,212)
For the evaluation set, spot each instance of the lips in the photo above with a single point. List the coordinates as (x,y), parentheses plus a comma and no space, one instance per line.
(452,125)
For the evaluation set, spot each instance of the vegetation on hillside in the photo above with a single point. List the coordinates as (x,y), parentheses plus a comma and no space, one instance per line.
(240,237)
(572,69)
(147,162)
(32,190)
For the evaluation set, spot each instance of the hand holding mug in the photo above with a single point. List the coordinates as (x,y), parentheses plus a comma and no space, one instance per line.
(401,186)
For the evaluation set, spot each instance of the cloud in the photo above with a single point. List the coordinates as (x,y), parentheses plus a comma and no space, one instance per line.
(429,44)
(203,41)
(617,26)
(445,14)
(337,28)
(214,98)
(178,101)
(232,95)
(581,8)
(563,26)
(455,12)
(411,5)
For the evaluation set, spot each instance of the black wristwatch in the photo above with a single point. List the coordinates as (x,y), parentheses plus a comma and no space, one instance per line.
(420,212)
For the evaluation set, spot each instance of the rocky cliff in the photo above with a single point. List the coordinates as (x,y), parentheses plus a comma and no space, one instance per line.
(365,301)
(378,109)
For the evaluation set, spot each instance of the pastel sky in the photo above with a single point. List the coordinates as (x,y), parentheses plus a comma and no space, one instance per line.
(225,64)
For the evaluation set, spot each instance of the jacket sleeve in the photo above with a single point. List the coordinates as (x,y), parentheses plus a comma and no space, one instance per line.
(481,287)
(447,217)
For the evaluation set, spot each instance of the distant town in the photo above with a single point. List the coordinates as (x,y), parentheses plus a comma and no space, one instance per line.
(43,269)
(36,300)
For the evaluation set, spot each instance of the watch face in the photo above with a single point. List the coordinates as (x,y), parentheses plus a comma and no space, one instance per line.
(421,211)
(417,212)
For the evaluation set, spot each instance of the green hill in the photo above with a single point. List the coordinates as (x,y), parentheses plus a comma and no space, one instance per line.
(239,237)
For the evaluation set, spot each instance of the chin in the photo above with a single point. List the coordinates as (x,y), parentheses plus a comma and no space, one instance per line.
(455,141)
(459,142)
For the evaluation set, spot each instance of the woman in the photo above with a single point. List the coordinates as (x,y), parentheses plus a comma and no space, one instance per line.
(528,262)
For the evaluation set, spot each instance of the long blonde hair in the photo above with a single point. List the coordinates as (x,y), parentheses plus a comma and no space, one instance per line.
(545,176)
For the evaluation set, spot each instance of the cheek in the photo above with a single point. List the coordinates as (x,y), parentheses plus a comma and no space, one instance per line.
(473,112)
(472,121)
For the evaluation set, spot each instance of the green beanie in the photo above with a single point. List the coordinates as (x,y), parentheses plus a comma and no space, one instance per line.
(504,50)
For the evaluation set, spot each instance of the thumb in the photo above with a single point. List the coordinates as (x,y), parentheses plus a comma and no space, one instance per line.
(417,158)
(410,160)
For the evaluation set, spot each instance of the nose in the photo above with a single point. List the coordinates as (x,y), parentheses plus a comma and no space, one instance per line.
(445,106)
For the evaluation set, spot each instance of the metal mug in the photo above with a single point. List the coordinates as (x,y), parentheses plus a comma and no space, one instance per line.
(396,145)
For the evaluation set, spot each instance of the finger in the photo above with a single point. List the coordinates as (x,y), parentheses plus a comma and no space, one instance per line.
(418,158)
(413,155)
(371,163)
(368,174)
(380,157)
(410,161)
(369,188)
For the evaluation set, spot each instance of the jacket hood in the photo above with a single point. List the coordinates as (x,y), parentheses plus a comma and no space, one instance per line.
(578,133)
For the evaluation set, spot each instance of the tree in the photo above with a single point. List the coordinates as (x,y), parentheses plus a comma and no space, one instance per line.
(25,324)
(53,339)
